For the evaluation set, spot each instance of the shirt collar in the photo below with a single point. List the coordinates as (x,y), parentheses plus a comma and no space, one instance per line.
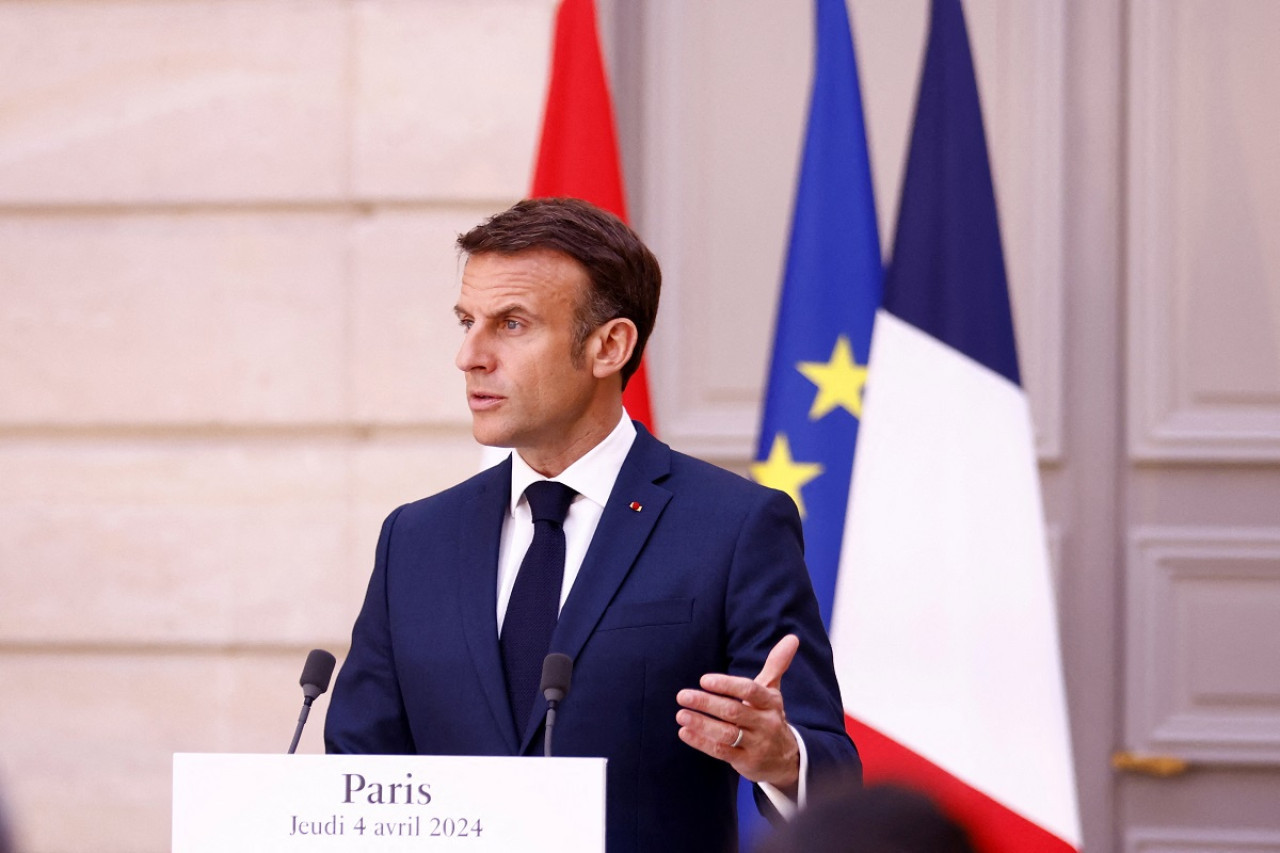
(591,476)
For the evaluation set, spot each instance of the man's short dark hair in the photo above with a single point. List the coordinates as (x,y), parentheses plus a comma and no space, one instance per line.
(624,275)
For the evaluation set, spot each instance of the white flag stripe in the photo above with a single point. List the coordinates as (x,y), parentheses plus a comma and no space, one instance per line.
(944,625)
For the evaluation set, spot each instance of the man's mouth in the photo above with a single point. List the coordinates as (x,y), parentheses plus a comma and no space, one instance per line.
(482,400)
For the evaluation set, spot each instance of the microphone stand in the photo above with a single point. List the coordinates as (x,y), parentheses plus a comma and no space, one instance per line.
(551,724)
(302,721)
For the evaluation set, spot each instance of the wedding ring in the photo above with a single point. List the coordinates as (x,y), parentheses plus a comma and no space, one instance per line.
(738,740)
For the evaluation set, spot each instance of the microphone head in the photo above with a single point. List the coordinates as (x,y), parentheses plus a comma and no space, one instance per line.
(316,673)
(557,671)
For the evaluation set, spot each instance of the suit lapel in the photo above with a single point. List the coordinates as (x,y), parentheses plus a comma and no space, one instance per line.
(479,533)
(617,543)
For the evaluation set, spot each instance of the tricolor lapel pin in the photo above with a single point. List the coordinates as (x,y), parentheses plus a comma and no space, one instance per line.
(635,506)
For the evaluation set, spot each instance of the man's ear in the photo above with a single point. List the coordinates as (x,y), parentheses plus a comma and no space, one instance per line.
(613,344)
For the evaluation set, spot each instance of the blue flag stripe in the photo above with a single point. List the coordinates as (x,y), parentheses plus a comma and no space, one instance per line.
(831,289)
(947,276)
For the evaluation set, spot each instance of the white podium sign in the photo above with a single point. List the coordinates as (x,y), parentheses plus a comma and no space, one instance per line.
(385,803)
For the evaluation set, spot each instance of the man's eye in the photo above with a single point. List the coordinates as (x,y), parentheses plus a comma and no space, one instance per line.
(465,322)
(512,325)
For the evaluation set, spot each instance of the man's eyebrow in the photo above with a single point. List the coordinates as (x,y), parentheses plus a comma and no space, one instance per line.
(503,311)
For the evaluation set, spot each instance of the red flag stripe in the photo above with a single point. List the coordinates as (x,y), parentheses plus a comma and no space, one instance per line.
(992,827)
(578,154)
(636,398)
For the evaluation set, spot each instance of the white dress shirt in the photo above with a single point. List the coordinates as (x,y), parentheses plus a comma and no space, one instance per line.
(592,477)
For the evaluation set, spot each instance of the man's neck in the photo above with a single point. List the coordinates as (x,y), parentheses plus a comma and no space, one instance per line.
(553,463)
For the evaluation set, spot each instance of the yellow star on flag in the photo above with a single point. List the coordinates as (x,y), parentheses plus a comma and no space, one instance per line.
(782,472)
(840,381)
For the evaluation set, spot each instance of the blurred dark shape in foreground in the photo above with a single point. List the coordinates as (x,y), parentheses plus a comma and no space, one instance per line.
(845,818)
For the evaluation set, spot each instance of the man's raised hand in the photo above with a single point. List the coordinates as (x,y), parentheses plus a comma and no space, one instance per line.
(743,721)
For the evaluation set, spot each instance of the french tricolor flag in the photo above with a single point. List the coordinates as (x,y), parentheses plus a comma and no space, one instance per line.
(943,623)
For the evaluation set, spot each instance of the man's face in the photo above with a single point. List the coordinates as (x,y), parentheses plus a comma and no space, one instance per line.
(523,386)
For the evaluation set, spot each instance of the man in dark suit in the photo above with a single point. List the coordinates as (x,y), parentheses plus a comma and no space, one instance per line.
(683,597)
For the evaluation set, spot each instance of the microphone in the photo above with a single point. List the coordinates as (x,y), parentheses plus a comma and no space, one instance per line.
(315,680)
(557,672)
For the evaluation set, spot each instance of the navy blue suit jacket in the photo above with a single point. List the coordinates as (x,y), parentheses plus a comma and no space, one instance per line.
(705,576)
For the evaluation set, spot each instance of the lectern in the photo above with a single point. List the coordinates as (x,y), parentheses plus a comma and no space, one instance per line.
(386,803)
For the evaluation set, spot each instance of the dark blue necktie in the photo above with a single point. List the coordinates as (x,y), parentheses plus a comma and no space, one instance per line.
(535,599)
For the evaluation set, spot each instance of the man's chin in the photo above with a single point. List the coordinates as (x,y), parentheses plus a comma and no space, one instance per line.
(490,437)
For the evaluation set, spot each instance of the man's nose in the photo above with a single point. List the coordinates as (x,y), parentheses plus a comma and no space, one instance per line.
(475,353)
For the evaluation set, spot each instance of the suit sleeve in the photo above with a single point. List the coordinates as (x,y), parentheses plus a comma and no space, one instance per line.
(770,595)
(366,712)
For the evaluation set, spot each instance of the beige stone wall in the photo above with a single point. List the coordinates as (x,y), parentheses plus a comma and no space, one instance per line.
(225,354)
(226,343)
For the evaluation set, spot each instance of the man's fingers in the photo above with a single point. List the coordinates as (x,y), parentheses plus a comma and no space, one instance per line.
(712,746)
(778,662)
(727,707)
(743,721)
(708,729)
(738,689)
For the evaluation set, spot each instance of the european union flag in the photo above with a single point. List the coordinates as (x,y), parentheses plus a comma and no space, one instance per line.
(830,294)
